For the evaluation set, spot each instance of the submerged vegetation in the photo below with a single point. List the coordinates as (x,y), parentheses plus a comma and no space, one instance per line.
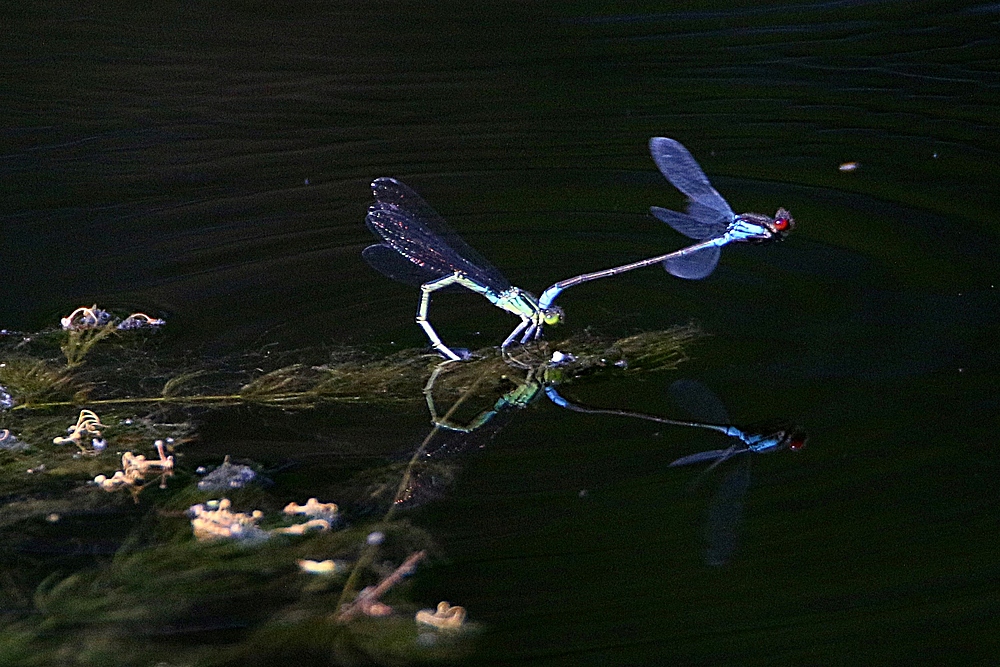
(103,564)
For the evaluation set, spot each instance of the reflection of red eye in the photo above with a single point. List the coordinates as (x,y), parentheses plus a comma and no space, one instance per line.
(797,442)
(781,224)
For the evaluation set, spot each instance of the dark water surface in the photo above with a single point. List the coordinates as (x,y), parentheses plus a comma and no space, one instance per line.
(209,162)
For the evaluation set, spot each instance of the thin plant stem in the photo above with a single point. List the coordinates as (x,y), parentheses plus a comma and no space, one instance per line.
(219,398)
(368,555)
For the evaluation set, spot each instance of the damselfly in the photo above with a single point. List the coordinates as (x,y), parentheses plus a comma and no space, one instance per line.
(418,248)
(759,442)
(709,220)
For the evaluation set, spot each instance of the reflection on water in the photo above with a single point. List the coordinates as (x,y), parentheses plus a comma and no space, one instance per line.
(211,556)
(209,164)
(726,508)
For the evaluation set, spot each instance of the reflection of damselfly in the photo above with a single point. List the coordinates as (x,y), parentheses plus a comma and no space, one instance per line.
(418,248)
(709,220)
(725,510)
(432,468)
(523,394)
(768,440)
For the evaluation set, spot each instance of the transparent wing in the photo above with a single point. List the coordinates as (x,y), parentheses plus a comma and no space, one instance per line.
(688,225)
(695,266)
(388,262)
(415,230)
(680,168)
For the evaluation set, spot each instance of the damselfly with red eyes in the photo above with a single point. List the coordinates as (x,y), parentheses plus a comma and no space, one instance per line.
(709,220)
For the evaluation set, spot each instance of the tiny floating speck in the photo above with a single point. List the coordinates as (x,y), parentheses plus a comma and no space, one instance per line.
(849,166)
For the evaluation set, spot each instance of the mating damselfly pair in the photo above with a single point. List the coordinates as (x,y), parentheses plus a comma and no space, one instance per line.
(419,248)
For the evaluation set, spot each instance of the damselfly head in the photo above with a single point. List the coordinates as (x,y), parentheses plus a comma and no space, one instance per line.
(795,440)
(553,315)
(759,228)
(775,437)
(782,223)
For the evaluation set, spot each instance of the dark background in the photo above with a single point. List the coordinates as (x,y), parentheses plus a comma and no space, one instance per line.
(209,162)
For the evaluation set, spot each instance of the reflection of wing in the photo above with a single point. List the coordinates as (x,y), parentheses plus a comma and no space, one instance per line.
(724,515)
(717,455)
(412,228)
(698,401)
(681,169)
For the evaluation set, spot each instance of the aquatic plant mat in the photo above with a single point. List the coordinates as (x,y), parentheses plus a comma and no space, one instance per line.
(117,551)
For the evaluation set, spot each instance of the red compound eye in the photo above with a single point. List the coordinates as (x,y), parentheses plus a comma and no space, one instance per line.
(797,442)
(781,224)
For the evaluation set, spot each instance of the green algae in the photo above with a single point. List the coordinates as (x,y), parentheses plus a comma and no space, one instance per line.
(116,578)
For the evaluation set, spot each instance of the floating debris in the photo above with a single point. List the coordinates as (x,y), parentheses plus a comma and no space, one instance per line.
(317,525)
(117,481)
(10,443)
(559,358)
(227,476)
(324,515)
(214,520)
(87,425)
(446,617)
(314,508)
(849,166)
(139,321)
(135,468)
(6,400)
(367,601)
(86,318)
(321,566)
(376,609)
